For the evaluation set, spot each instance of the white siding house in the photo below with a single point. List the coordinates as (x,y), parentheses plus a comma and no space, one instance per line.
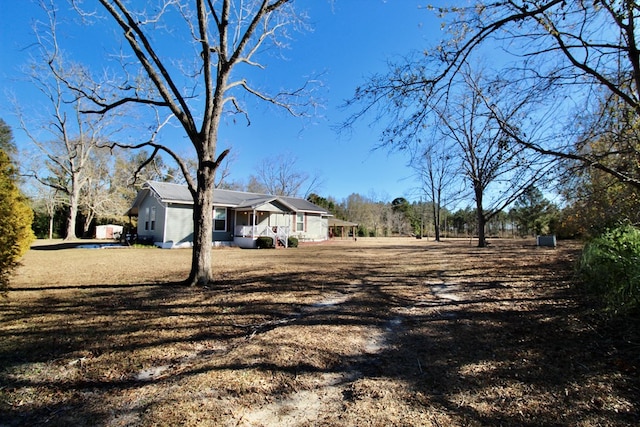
(165,217)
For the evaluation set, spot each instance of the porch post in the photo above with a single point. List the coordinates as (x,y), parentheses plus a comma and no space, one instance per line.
(253,226)
(286,240)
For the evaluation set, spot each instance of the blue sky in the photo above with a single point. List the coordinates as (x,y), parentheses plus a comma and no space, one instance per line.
(351,39)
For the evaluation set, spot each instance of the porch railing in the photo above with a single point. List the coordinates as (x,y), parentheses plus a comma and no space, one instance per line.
(277,233)
(246,231)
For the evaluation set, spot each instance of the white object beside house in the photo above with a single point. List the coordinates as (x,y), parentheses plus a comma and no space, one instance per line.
(165,217)
(109,231)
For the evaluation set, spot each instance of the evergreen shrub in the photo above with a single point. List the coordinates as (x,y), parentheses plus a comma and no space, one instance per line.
(16,216)
(264,242)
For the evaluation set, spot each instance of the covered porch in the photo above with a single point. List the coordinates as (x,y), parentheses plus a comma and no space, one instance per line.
(271,219)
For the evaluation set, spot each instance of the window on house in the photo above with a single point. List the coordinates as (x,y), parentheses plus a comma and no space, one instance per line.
(219,219)
(299,222)
(146,218)
(153,218)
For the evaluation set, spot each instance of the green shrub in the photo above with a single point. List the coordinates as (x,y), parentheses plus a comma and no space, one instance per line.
(610,266)
(264,242)
(292,242)
(16,234)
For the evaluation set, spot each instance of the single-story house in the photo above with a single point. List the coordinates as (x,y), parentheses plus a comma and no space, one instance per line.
(165,216)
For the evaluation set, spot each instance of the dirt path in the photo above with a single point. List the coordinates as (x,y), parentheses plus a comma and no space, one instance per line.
(330,390)
(304,407)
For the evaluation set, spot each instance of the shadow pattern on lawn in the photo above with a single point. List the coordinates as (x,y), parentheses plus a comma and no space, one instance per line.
(499,354)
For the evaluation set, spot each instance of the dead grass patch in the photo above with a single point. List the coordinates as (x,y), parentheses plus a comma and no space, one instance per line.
(378,332)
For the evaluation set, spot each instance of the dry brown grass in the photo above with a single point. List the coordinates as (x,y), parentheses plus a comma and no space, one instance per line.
(378,332)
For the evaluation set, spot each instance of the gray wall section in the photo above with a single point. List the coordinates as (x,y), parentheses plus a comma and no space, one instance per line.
(180,224)
(144,217)
(317,227)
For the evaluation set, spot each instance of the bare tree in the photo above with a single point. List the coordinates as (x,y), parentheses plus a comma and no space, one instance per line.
(224,39)
(68,155)
(280,176)
(68,152)
(358,209)
(561,57)
(497,170)
(373,216)
(63,134)
(224,172)
(437,171)
(174,174)
(129,173)
(398,223)
(99,198)
(127,177)
(46,200)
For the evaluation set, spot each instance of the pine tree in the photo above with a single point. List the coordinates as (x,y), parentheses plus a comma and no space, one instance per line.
(15,227)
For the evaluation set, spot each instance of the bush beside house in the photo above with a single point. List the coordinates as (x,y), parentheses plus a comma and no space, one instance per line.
(264,242)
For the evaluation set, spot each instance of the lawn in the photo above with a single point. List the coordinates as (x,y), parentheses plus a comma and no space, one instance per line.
(377,332)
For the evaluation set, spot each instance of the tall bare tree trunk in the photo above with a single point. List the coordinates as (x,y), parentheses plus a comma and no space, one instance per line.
(74,197)
(436,219)
(482,221)
(201,273)
(71,223)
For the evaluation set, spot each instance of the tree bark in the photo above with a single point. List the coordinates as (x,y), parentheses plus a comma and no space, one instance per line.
(73,211)
(436,220)
(86,226)
(50,226)
(71,222)
(201,272)
(482,240)
(482,220)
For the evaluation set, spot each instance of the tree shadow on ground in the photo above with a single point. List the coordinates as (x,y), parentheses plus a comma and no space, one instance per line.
(502,353)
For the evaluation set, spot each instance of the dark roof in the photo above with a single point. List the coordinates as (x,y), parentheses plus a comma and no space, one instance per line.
(169,192)
(179,194)
(335,222)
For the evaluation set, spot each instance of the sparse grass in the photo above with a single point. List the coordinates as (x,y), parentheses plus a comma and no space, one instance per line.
(379,332)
